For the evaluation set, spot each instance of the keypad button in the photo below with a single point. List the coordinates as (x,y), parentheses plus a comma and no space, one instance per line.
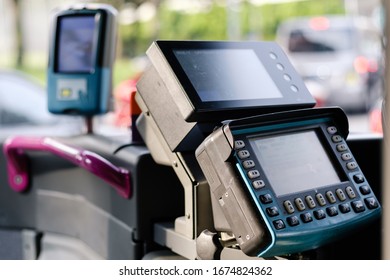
(340,194)
(310,201)
(344,208)
(319,214)
(358,178)
(266,198)
(332,211)
(272,211)
(253,174)
(288,206)
(239,144)
(306,217)
(320,199)
(331,129)
(293,221)
(243,154)
(358,206)
(365,190)
(330,196)
(258,184)
(341,147)
(346,156)
(371,203)
(299,204)
(337,138)
(352,165)
(350,192)
(279,224)
(248,164)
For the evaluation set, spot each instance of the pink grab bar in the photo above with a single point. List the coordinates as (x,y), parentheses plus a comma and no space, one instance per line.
(17,165)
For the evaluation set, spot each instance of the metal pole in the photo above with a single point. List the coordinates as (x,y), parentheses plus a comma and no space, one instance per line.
(386,147)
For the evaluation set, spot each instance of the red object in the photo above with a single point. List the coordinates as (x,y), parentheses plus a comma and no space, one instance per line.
(122,94)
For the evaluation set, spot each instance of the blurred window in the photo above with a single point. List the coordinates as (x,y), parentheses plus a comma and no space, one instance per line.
(329,40)
(370,43)
(22,100)
(11,118)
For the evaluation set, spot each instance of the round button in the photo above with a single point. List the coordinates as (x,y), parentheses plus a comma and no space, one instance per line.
(266,198)
(310,201)
(299,204)
(350,192)
(258,184)
(239,144)
(253,174)
(319,214)
(293,221)
(320,198)
(279,224)
(330,196)
(287,77)
(273,55)
(365,190)
(337,138)
(346,156)
(341,147)
(352,165)
(294,88)
(288,206)
(248,164)
(340,194)
(280,66)
(243,154)
(331,129)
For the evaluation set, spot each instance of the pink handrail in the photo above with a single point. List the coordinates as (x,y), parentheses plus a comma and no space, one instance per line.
(17,166)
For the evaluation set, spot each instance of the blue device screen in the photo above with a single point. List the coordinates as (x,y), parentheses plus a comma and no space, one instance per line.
(305,167)
(227,74)
(76,45)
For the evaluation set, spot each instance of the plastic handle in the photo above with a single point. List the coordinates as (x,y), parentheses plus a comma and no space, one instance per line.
(17,165)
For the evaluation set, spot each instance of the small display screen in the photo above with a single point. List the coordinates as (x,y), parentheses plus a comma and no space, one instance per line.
(295,162)
(227,74)
(76,44)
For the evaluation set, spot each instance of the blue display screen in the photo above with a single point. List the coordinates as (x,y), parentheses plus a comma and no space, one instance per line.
(227,74)
(295,162)
(76,44)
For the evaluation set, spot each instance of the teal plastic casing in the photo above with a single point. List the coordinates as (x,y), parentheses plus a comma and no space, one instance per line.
(266,220)
(84,90)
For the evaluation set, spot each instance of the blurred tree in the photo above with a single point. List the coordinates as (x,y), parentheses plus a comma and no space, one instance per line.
(210,23)
(19,35)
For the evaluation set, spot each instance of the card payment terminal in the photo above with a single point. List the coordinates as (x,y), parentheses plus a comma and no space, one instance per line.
(287,182)
(192,85)
(280,175)
(82,49)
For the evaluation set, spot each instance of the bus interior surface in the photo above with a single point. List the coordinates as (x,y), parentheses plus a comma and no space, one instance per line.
(233,160)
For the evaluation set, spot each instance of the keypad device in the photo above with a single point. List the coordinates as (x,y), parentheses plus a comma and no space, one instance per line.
(294,173)
(323,204)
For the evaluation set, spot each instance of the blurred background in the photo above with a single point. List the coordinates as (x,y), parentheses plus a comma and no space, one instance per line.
(335,45)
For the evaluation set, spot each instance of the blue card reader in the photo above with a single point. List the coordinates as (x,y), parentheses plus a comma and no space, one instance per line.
(81,55)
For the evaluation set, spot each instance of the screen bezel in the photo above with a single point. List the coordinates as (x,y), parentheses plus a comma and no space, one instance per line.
(289,98)
(97,49)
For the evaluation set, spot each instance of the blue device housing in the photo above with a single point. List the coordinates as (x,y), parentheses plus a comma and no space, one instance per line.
(294,219)
(76,87)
